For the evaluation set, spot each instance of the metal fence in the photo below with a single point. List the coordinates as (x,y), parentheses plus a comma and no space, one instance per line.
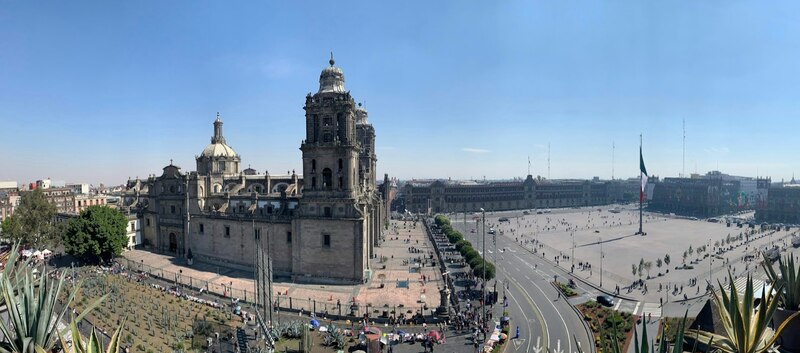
(284,303)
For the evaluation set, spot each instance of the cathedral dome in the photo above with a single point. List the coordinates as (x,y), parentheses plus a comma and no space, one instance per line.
(218,150)
(218,147)
(331,79)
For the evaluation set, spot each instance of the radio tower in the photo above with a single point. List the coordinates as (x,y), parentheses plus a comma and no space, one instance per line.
(683,163)
(548,160)
(612,160)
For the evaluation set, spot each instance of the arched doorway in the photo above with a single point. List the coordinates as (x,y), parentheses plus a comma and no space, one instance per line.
(173,242)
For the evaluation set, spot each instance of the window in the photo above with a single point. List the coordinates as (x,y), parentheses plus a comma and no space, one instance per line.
(172,209)
(133,226)
(202,228)
(326,137)
(221,166)
(313,165)
(313,183)
(147,220)
(327,212)
(341,183)
(326,240)
(327,176)
(257,233)
(340,164)
(327,121)
(227,231)
(288,237)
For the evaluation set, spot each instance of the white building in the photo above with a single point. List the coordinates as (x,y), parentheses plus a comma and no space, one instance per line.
(133,232)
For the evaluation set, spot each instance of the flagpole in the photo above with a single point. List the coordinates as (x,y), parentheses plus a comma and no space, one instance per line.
(641,196)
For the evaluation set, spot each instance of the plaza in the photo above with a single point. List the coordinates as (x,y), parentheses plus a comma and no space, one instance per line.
(573,236)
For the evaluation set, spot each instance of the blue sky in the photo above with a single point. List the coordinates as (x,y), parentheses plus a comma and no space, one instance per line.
(99,91)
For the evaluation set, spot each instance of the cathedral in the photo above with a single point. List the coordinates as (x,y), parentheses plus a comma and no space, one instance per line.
(321,226)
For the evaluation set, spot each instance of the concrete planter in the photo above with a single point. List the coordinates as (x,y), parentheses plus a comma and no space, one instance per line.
(790,338)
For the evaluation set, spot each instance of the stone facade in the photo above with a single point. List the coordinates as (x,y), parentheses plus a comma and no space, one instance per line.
(708,195)
(782,206)
(447,196)
(321,226)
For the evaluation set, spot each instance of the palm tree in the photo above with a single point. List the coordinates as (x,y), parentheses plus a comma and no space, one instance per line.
(746,326)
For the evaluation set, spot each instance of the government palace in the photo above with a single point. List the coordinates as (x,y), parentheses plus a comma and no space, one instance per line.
(321,226)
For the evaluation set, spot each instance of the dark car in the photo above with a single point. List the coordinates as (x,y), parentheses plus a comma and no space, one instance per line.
(605,300)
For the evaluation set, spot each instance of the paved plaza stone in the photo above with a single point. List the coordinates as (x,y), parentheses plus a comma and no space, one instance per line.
(397,276)
(551,236)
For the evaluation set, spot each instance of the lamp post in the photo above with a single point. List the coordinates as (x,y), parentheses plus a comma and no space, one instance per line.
(483,215)
(572,257)
(600,239)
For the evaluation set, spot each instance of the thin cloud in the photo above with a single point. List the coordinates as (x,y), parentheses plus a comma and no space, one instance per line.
(474,150)
(718,150)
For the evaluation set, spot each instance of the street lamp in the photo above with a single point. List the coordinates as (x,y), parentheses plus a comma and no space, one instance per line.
(572,257)
(483,214)
(600,239)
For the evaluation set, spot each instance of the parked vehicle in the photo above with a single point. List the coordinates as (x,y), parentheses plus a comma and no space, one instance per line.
(605,300)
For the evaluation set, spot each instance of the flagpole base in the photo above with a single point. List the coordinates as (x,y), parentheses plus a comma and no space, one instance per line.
(640,233)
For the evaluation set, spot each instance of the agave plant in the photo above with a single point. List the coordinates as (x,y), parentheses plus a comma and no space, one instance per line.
(746,326)
(790,296)
(92,345)
(32,314)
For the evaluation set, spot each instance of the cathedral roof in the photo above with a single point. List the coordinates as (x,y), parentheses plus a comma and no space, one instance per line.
(331,79)
(361,115)
(218,147)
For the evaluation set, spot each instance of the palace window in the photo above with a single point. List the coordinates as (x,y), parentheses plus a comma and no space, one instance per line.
(227,231)
(327,212)
(202,229)
(257,232)
(326,240)
(288,237)
(172,209)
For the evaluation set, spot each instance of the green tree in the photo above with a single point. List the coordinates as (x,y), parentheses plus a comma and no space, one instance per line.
(490,270)
(32,222)
(98,234)
(658,262)
(666,259)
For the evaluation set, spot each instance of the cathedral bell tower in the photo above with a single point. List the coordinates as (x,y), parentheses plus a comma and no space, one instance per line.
(330,149)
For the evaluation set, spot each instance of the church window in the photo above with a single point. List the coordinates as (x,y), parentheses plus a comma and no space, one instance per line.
(326,137)
(341,183)
(288,237)
(327,179)
(327,212)
(313,183)
(227,231)
(269,209)
(147,220)
(172,189)
(313,166)
(172,209)
(221,166)
(326,121)
(257,232)
(202,228)
(326,240)
(340,165)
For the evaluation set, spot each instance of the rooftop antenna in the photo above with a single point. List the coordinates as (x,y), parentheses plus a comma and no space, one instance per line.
(548,160)
(612,160)
(683,163)
(529,164)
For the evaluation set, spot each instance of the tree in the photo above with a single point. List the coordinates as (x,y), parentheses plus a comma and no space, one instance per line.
(633,269)
(490,271)
(32,221)
(98,234)
(641,268)
(658,262)
(647,266)
(691,250)
(685,255)
(666,259)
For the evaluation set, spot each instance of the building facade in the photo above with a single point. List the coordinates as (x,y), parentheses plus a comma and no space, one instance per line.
(782,206)
(708,195)
(320,226)
(469,196)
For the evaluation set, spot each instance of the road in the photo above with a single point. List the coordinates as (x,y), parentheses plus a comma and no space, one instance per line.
(533,301)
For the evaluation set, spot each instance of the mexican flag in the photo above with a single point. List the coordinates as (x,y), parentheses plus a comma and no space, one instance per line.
(644,174)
